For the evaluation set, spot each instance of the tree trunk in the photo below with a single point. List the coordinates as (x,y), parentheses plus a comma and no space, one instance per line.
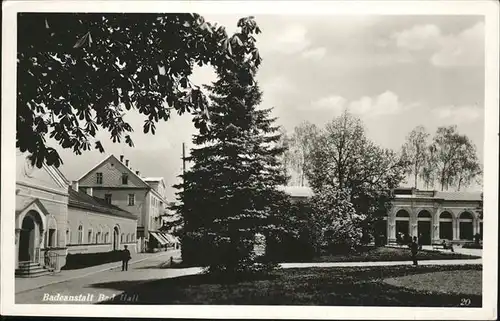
(416,179)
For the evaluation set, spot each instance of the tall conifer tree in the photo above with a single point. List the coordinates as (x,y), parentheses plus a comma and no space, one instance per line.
(229,194)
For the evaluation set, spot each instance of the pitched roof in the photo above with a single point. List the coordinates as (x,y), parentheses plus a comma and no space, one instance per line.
(141,179)
(82,200)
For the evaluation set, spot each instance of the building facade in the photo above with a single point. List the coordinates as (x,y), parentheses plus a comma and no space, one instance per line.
(96,226)
(114,180)
(434,216)
(431,215)
(41,214)
(53,220)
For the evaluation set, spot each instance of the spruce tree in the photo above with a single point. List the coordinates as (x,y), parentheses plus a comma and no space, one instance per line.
(229,194)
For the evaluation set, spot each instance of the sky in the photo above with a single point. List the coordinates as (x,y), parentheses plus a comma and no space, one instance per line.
(394,72)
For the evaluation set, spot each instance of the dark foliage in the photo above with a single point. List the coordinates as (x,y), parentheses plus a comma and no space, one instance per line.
(229,194)
(81,72)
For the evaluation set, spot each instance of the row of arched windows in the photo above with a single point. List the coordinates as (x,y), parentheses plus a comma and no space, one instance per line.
(97,237)
(127,238)
(443,215)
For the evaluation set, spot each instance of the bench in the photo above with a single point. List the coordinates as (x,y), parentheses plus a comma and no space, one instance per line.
(437,246)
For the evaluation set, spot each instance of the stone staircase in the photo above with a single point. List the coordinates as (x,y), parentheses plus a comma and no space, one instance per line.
(31,270)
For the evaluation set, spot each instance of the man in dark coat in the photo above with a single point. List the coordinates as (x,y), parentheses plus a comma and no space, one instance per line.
(125,258)
(414,250)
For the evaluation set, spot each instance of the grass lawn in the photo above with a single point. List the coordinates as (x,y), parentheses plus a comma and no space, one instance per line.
(373,254)
(359,286)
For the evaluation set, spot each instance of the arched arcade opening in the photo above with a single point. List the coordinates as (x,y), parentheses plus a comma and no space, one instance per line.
(446,226)
(424,225)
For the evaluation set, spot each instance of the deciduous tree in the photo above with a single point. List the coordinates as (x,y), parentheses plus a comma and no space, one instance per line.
(299,150)
(345,159)
(415,150)
(78,73)
(454,157)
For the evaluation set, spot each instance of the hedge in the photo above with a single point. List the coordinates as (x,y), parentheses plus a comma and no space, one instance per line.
(83,260)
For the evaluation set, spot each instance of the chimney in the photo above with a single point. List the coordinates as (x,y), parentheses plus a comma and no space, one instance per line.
(137,173)
(74,185)
(126,163)
(121,158)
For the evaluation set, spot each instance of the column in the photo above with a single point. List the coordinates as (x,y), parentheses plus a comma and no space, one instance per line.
(475,227)
(456,227)
(435,226)
(391,227)
(18,234)
(413,224)
(41,246)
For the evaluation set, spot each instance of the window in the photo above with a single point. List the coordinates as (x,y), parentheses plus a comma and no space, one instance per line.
(107,197)
(80,234)
(122,237)
(124,179)
(52,237)
(106,236)
(89,239)
(83,189)
(98,178)
(98,237)
(68,236)
(133,237)
(128,238)
(131,199)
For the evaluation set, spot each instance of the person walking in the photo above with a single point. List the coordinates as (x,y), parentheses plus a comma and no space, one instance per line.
(414,249)
(125,258)
(420,241)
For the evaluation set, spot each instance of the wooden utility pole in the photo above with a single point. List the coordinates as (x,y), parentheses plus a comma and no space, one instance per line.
(183,158)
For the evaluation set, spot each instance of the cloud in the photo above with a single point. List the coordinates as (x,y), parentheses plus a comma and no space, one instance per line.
(387,103)
(459,114)
(418,37)
(465,48)
(314,54)
(290,41)
(333,102)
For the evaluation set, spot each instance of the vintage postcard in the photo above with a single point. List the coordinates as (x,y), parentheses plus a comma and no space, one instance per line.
(250,159)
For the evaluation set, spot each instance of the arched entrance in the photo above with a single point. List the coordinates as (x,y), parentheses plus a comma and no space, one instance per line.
(29,237)
(402,226)
(116,240)
(465,226)
(424,220)
(446,226)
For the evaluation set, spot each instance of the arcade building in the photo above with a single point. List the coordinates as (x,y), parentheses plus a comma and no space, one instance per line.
(434,216)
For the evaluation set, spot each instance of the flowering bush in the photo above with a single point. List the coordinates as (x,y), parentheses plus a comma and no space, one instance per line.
(335,221)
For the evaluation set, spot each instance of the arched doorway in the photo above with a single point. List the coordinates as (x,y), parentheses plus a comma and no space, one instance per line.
(116,241)
(446,226)
(424,220)
(29,237)
(465,226)
(402,226)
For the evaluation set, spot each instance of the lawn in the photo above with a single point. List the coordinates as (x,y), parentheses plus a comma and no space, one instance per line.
(354,286)
(373,254)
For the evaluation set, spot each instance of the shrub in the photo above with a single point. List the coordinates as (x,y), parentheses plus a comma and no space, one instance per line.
(337,225)
(83,260)
(471,245)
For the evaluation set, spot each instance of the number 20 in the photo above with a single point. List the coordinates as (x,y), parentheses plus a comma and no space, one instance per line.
(464,302)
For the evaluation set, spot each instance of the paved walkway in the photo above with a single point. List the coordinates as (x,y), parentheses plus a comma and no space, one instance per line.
(456,249)
(27,284)
(387,263)
(108,282)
